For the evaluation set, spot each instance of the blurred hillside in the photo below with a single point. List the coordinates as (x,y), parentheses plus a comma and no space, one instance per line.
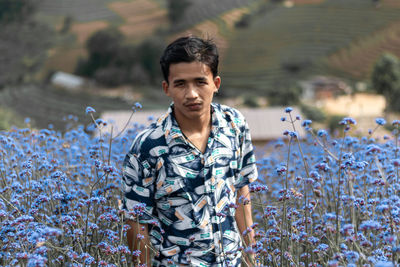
(267,46)
(341,38)
(279,42)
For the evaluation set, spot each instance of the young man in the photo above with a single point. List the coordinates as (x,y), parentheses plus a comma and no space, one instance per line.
(191,169)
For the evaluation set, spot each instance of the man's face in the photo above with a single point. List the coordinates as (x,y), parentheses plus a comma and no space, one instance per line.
(191,86)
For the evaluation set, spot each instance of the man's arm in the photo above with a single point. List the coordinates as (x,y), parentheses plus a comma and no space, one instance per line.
(243,214)
(135,243)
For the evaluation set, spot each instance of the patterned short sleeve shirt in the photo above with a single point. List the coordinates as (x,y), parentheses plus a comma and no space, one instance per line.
(190,196)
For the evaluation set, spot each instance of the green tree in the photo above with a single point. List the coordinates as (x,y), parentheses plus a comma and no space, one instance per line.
(176,10)
(112,62)
(313,113)
(149,57)
(24,42)
(103,48)
(66,24)
(13,10)
(251,101)
(333,123)
(385,80)
(284,93)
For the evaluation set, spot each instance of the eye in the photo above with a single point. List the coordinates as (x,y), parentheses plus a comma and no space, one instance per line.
(179,84)
(201,82)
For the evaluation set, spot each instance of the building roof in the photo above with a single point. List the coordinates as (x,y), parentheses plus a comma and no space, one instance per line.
(264,123)
(67,80)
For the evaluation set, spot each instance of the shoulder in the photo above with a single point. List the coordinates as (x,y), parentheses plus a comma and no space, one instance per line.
(146,140)
(232,116)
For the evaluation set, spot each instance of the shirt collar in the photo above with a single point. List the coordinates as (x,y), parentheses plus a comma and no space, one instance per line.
(171,128)
(218,118)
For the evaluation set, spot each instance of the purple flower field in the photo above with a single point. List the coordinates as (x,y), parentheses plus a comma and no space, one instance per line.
(319,201)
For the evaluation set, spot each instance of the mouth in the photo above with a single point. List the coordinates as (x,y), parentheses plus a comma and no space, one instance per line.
(193,106)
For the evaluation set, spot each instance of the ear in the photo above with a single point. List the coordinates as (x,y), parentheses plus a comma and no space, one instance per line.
(217,83)
(165,87)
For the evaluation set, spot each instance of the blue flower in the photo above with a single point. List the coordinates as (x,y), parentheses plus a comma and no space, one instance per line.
(396,122)
(306,123)
(348,121)
(322,133)
(288,109)
(352,256)
(90,110)
(323,247)
(370,225)
(380,121)
(384,264)
(137,106)
(293,134)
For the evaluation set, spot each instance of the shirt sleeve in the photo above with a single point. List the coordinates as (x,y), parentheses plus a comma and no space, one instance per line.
(138,190)
(247,168)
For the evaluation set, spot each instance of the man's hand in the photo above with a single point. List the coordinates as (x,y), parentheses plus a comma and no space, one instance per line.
(243,214)
(244,220)
(138,239)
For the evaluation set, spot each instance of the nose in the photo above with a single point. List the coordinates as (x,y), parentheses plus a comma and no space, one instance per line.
(191,92)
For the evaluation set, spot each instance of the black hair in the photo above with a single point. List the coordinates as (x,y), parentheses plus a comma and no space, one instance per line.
(190,49)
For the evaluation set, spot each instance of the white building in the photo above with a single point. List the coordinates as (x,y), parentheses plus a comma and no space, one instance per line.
(67,81)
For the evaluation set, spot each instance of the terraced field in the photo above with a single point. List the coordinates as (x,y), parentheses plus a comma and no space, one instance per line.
(141,17)
(307,2)
(359,58)
(81,11)
(219,29)
(390,3)
(231,17)
(63,59)
(287,44)
(199,11)
(84,30)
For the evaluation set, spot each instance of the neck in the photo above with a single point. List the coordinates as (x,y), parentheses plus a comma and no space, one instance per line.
(195,125)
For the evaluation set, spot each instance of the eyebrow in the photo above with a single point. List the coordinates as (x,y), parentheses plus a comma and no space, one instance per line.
(179,81)
(196,79)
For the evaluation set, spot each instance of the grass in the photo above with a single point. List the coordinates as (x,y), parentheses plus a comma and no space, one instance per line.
(45,104)
(8,119)
(48,105)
